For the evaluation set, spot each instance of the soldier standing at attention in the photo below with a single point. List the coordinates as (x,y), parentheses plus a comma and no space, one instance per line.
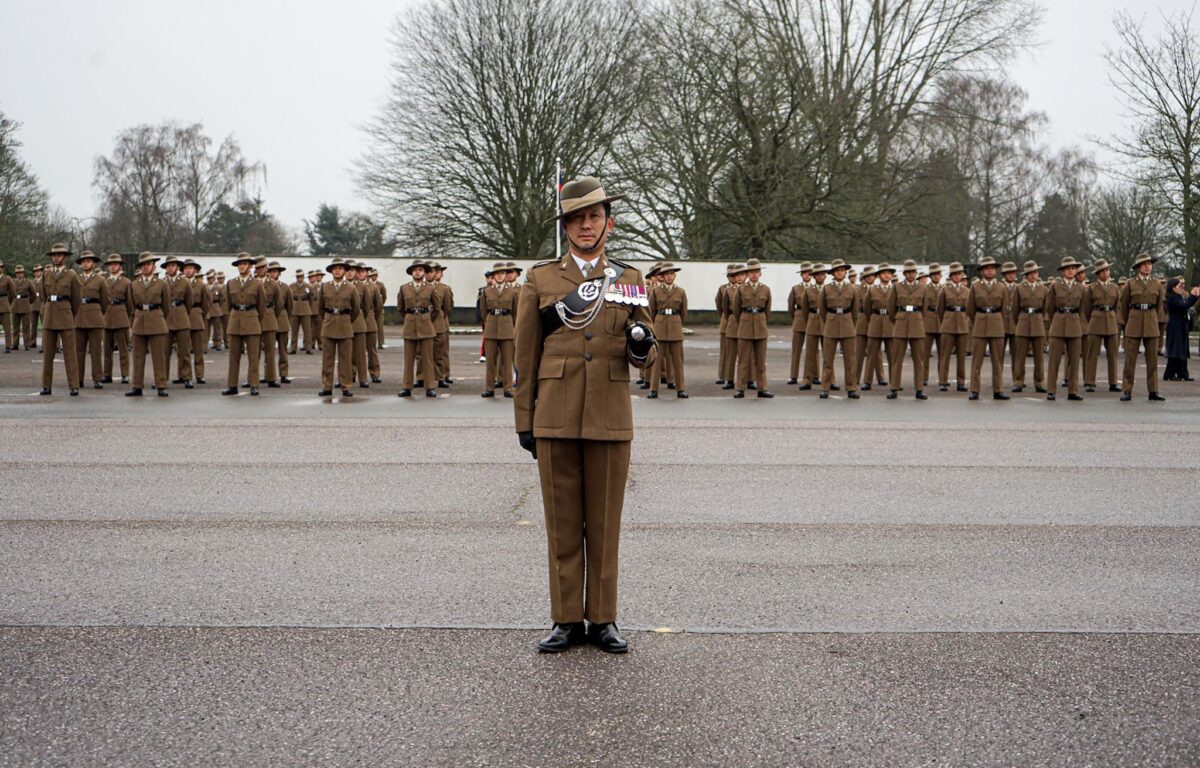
(179,323)
(906,305)
(1030,322)
(880,326)
(268,322)
(22,308)
(985,309)
(247,309)
(1141,299)
(216,313)
(1100,317)
(814,328)
(36,303)
(118,318)
(577,335)
(337,304)
(8,292)
(368,298)
(799,319)
(315,277)
(860,327)
(498,308)
(932,322)
(60,289)
(668,312)
(380,301)
(838,309)
(90,318)
(729,332)
(300,315)
(1008,274)
(954,327)
(651,278)
(197,314)
(750,307)
(416,305)
(151,332)
(283,323)
(1064,304)
(721,301)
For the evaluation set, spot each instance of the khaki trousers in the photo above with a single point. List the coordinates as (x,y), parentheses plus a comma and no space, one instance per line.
(1150,344)
(499,353)
(300,323)
(1092,358)
(198,348)
(36,319)
(50,342)
(239,343)
(180,342)
(359,353)
(583,493)
(117,338)
(931,340)
(797,353)
(873,360)
(156,345)
(812,359)
(978,348)
(340,350)
(670,354)
(379,322)
(216,327)
(6,320)
(281,343)
(729,367)
(441,356)
(90,340)
(916,347)
(423,347)
(1021,347)
(849,363)
(953,345)
(1058,346)
(266,347)
(372,341)
(752,363)
(23,326)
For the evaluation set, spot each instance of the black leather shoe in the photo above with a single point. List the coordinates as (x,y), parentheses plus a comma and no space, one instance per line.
(376,380)
(245,385)
(644,385)
(866,387)
(720,382)
(1040,390)
(682,394)
(892,395)
(274,384)
(881,383)
(285,380)
(835,388)
(1089,387)
(817,382)
(229,391)
(489,393)
(325,393)
(508,393)
(106,380)
(921,395)
(670,386)
(754,385)
(253,391)
(824,395)
(943,387)
(443,385)
(791,382)
(124,379)
(176,381)
(728,385)
(134,393)
(1126,397)
(347,393)
(1113,388)
(1000,396)
(852,395)
(805,387)
(960,388)
(739,394)
(1157,398)
(97,385)
(431,393)
(363,385)
(45,391)
(188,385)
(419,384)
(1018,389)
(404,393)
(652,396)
(1075,398)
(163,392)
(1051,396)
(562,637)
(201,381)
(640,382)
(974,396)
(74,392)
(765,393)
(607,638)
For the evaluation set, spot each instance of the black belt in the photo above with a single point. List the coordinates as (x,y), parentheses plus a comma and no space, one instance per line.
(908,308)
(117,302)
(1141,306)
(88,300)
(22,296)
(838,310)
(881,311)
(500,312)
(417,310)
(1068,310)
(753,310)
(1104,307)
(149,307)
(1031,310)
(58,298)
(244,307)
(337,310)
(988,310)
(956,309)
(179,302)
(668,311)
(270,304)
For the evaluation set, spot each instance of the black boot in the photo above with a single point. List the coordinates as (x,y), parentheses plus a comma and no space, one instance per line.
(229,391)
(135,392)
(562,637)
(404,393)
(607,638)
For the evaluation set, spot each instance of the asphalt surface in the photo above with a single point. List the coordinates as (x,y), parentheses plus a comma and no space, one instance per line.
(291,580)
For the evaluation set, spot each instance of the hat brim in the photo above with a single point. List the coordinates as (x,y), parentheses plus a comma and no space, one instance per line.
(244,260)
(584,202)
(1075,265)
(411,267)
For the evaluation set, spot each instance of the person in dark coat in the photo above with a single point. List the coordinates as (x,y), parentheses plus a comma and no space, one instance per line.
(1179,302)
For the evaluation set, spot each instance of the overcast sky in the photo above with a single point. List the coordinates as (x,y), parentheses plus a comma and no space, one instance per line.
(294,81)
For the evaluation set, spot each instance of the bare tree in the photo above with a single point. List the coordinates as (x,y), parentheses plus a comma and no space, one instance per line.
(204,181)
(1159,79)
(1126,220)
(23,202)
(484,95)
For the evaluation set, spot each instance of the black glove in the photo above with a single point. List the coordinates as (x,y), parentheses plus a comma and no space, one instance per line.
(528,443)
(639,347)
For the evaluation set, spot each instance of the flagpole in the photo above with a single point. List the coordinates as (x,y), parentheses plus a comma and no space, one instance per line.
(557,208)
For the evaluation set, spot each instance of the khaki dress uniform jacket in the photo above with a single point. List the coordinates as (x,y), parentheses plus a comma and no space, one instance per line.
(444,298)
(90,321)
(573,395)
(380,314)
(338,307)
(270,329)
(933,325)
(498,308)
(117,322)
(302,313)
(1100,305)
(22,312)
(729,337)
(955,329)
(799,326)
(151,330)
(198,326)
(1029,318)
(750,305)
(985,308)
(1064,308)
(906,306)
(419,310)
(61,293)
(1140,304)
(8,293)
(179,323)
(244,332)
(369,297)
(668,311)
(838,307)
(218,311)
(814,333)
(880,327)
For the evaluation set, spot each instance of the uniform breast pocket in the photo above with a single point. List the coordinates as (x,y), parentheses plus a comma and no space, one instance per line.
(615,318)
(550,411)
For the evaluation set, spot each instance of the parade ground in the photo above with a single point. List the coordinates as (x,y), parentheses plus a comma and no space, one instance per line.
(290,580)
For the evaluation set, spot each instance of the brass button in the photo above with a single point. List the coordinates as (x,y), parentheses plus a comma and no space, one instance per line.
(588,336)
(588,357)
